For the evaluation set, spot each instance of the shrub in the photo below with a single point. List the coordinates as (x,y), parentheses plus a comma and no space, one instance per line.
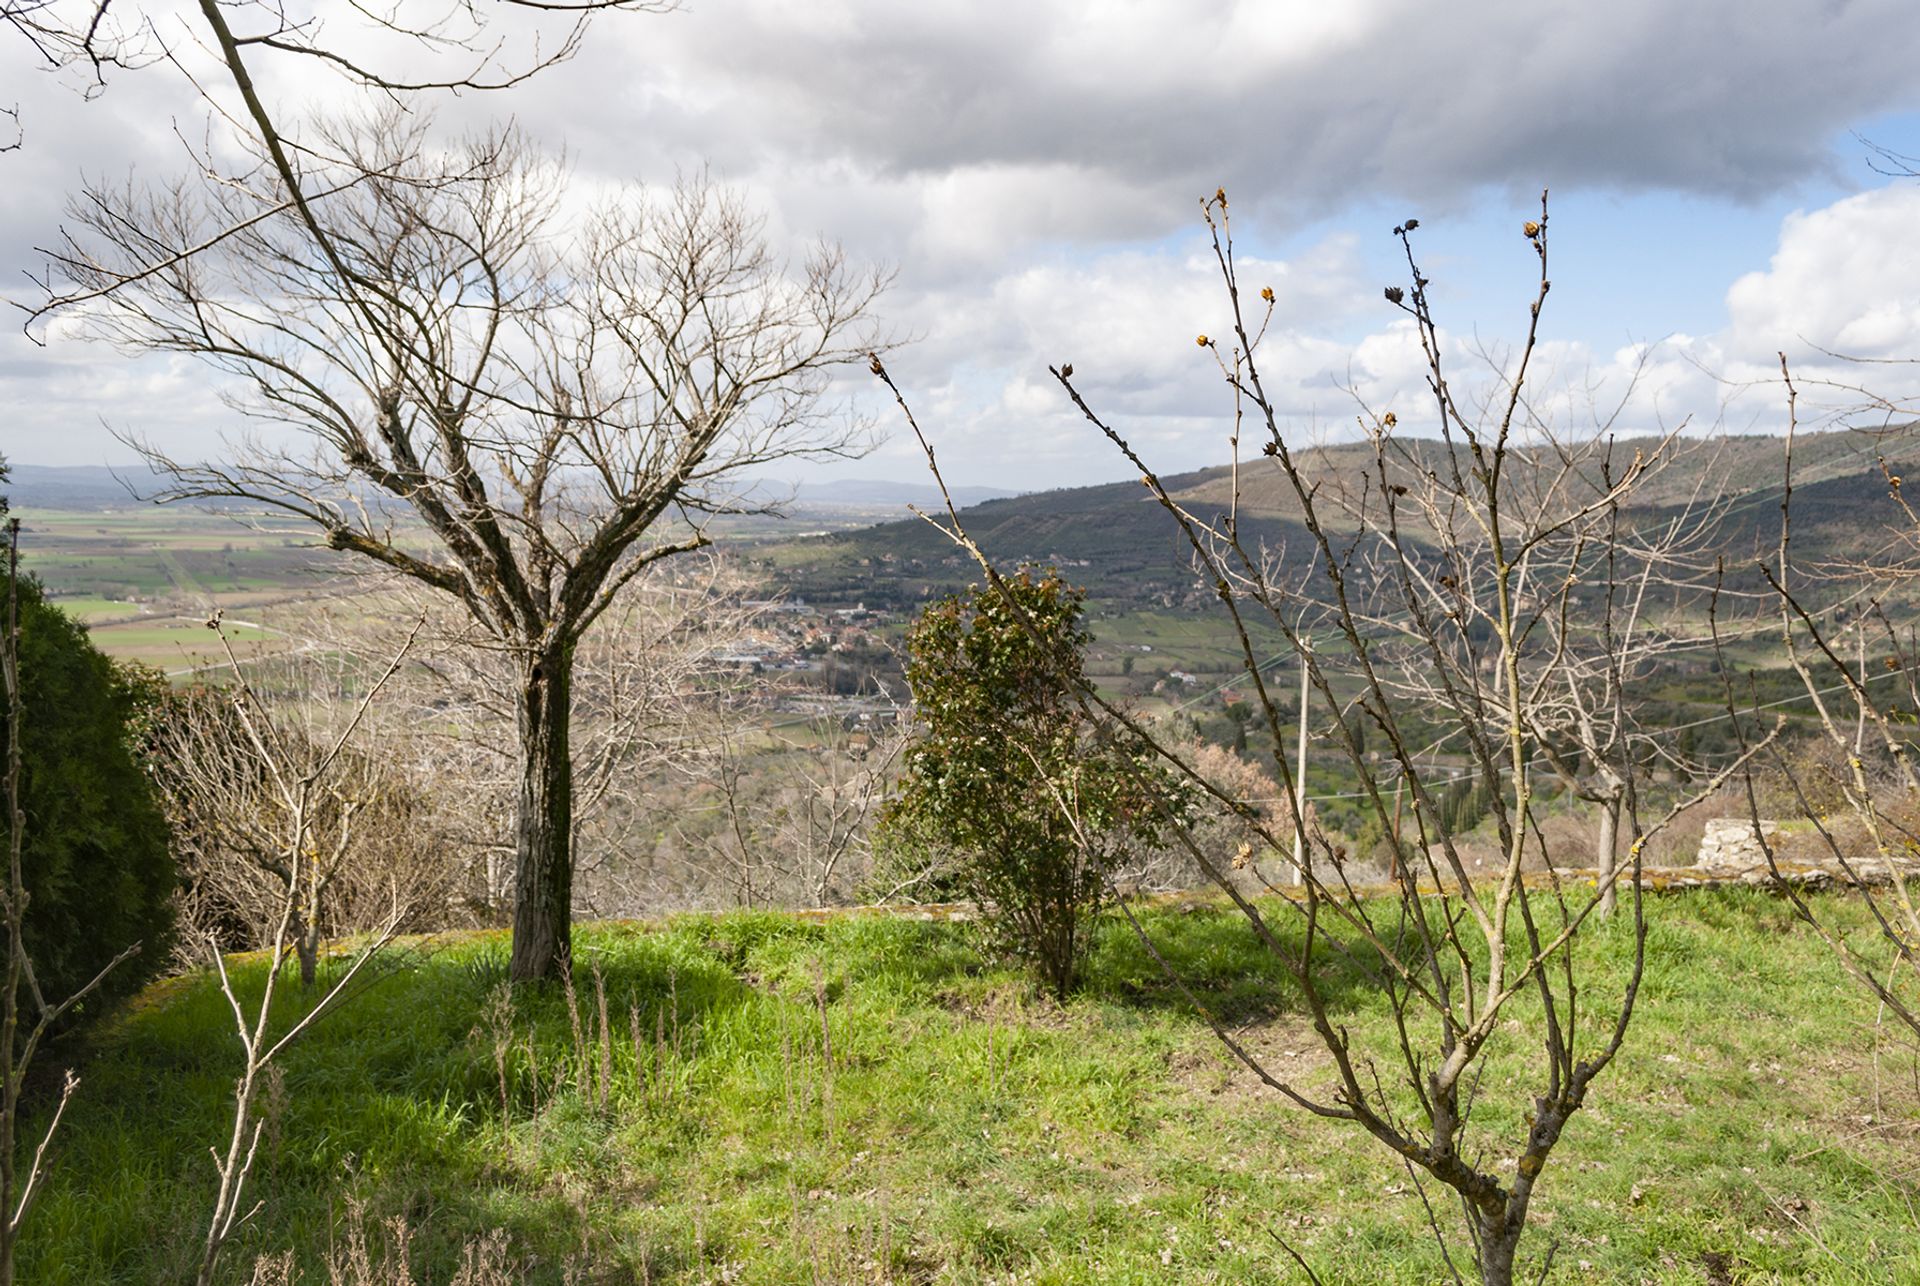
(95,857)
(1033,800)
(376,842)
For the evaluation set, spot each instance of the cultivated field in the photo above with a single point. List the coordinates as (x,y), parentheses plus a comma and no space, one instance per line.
(145,579)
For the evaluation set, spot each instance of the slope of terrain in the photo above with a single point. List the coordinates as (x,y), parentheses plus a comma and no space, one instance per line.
(1115,540)
(867,1099)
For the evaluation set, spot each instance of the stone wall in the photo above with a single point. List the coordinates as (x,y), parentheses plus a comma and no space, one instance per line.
(1729,841)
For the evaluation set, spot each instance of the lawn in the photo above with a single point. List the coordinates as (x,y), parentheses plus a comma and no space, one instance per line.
(867,1099)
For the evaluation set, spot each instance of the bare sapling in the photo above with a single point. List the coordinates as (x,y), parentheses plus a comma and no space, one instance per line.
(1614,595)
(25,1019)
(302,782)
(374,828)
(1845,630)
(785,823)
(1481,553)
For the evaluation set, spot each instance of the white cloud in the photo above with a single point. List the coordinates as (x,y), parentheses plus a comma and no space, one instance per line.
(1127,321)
(1845,278)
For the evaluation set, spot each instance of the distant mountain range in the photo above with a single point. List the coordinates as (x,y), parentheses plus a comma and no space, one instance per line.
(39,486)
(864,493)
(1115,529)
(42,486)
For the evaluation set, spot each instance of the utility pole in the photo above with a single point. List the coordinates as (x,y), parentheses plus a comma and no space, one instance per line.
(1300,780)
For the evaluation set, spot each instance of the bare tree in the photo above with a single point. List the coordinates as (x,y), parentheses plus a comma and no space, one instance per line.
(1606,586)
(88,37)
(655,688)
(304,782)
(824,819)
(443,48)
(377,837)
(1222,837)
(516,412)
(1858,670)
(1454,951)
(789,822)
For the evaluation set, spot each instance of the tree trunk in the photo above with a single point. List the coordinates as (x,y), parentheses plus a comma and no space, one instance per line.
(307,946)
(1608,853)
(1499,1240)
(307,933)
(543,856)
(1300,782)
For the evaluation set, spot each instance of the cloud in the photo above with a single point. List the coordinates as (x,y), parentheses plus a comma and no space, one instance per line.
(1840,298)
(1128,321)
(1034,169)
(1843,282)
(1300,108)
(1845,278)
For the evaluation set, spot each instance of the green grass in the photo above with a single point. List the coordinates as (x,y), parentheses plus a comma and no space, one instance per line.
(89,610)
(966,1130)
(175,645)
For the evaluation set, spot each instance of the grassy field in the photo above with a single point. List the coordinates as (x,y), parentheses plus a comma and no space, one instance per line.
(152,553)
(179,645)
(144,579)
(93,611)
(869,1100)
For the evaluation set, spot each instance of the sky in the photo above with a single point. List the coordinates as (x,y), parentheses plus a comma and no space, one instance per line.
(1033,173)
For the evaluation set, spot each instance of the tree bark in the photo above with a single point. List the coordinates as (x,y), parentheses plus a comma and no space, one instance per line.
(1609,853)
(306,946)
(543,858)
(307,930)
(1499,1242)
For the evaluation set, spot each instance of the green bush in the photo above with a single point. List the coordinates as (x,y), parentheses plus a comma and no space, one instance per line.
(1032,801)
(95,857)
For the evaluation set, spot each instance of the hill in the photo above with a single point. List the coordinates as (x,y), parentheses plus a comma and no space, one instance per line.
(1115,539)
(81,488)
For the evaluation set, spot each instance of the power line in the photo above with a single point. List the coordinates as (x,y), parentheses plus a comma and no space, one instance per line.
(1539,760)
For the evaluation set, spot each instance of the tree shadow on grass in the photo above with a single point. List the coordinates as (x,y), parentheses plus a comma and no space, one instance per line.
(1218,958)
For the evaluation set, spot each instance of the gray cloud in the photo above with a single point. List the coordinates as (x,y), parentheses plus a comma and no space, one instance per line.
(1028,165)
(1404,99)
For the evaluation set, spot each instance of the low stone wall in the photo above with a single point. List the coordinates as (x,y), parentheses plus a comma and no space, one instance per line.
(1730,841)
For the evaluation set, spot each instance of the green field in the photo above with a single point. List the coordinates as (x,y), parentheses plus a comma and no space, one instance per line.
(167,553)
(146,579)
(177,645)
(93,611)
(1760,1126)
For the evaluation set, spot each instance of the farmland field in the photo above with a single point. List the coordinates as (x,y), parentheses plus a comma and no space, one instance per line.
(145,580)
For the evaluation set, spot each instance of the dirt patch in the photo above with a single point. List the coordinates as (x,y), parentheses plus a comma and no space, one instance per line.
(1287,1047)
(1872,1116)
(1010,1004)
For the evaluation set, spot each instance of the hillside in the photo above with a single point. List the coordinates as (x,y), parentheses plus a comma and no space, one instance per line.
(1115,540)
(867,1099)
